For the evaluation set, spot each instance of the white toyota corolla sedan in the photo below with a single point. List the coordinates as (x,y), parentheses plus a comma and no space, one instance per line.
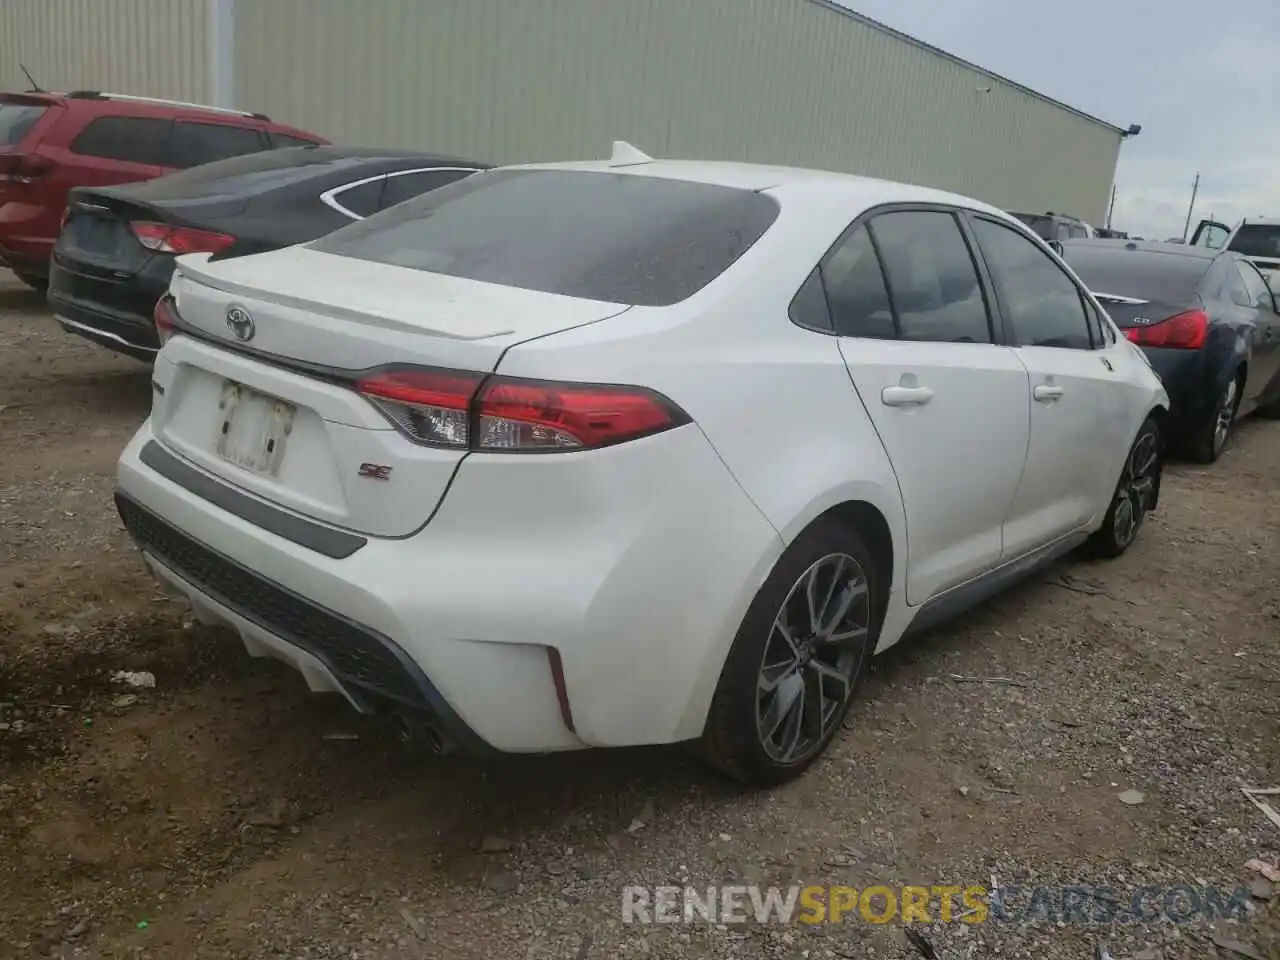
(632,451)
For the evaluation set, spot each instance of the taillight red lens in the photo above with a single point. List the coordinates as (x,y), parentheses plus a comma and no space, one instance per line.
(165,315)
(505,414)
(163,238)
(1183,331)
(532,415)
(23,167)
(429,406)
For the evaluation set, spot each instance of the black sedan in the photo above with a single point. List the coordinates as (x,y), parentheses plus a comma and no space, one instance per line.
(1206,320)
(114,257)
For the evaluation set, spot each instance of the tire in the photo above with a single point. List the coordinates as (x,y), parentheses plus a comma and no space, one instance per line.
(1136,493)
(32,281)
(1207,440)
(740,738)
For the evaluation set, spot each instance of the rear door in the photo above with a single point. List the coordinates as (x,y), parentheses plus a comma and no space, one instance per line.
(948,401)
(1264,364)
(1080,405)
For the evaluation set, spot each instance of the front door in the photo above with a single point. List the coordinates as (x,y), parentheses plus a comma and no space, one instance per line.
(948,402)
(1079,412)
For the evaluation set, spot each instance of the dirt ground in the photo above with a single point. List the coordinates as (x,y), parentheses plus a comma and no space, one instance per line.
(227,813)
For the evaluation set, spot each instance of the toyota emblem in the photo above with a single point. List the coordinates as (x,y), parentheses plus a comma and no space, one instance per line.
(240,323)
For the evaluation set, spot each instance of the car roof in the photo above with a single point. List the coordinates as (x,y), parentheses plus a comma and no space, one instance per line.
(760,178)
(1143,246)
(339,152)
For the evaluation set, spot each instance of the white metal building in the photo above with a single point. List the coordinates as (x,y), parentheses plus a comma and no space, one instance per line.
(788,81)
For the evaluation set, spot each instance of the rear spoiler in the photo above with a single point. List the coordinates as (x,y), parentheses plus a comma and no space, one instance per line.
(31,99)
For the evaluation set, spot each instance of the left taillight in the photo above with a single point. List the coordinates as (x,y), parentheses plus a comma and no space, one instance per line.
(1183,331)
(164,238)
(24,167)
(495,414)
(165,315)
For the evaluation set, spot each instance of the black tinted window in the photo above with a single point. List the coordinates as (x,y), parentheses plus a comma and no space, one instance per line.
(1039,299)
(809,305)
(406,186)
(284,140)
(16,119)
(932,279)
(620,238)
(195,143)
(856,291)
(132,139)
(362,200)
(1257,240)
(1142,274)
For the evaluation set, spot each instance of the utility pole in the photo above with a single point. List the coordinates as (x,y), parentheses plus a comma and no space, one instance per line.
(1195,187)
(1111,208)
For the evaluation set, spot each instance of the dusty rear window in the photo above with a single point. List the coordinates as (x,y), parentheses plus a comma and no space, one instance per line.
(619,238)
(16,119)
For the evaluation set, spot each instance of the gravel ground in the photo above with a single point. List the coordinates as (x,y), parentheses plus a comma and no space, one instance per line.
(227,813)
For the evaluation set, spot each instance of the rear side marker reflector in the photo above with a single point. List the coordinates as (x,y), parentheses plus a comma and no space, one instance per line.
(471,411)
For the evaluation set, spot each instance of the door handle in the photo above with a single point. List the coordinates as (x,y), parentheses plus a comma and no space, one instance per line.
(905,396)
(1045,393)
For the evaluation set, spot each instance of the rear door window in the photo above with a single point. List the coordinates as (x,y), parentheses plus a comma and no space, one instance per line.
(1039,298)
(16,121)
(131,139)
(405,186)
(194,143)
(1259,292)
(854,282)
(933,282)
(361,200)
(613,237)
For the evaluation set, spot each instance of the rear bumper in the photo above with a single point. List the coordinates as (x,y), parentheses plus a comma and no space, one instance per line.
(126,333)
(1189,380)
(555,621)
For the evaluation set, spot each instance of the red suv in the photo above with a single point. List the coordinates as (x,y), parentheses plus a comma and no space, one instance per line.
(51,142)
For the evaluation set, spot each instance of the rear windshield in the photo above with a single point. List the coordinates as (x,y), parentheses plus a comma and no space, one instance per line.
(1141,274)
(16,119)
(1257,240)
(619,238)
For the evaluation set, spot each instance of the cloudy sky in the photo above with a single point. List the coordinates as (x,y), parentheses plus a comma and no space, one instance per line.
(1202,78)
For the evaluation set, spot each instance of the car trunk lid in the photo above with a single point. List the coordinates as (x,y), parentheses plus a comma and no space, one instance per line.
(262,393)
(1127,312)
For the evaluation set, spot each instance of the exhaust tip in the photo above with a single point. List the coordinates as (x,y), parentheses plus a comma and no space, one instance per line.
(417,731)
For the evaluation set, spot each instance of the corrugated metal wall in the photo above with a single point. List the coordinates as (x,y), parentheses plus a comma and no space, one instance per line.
(785,81)
(143,47)
(789,81)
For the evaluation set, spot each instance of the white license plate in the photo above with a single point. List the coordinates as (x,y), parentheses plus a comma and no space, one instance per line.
(252,428)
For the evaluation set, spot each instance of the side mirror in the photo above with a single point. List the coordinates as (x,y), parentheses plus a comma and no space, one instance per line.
(1056,246)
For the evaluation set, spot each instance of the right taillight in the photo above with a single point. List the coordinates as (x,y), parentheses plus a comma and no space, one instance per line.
(1183,331)
(165,316)
(446,408)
